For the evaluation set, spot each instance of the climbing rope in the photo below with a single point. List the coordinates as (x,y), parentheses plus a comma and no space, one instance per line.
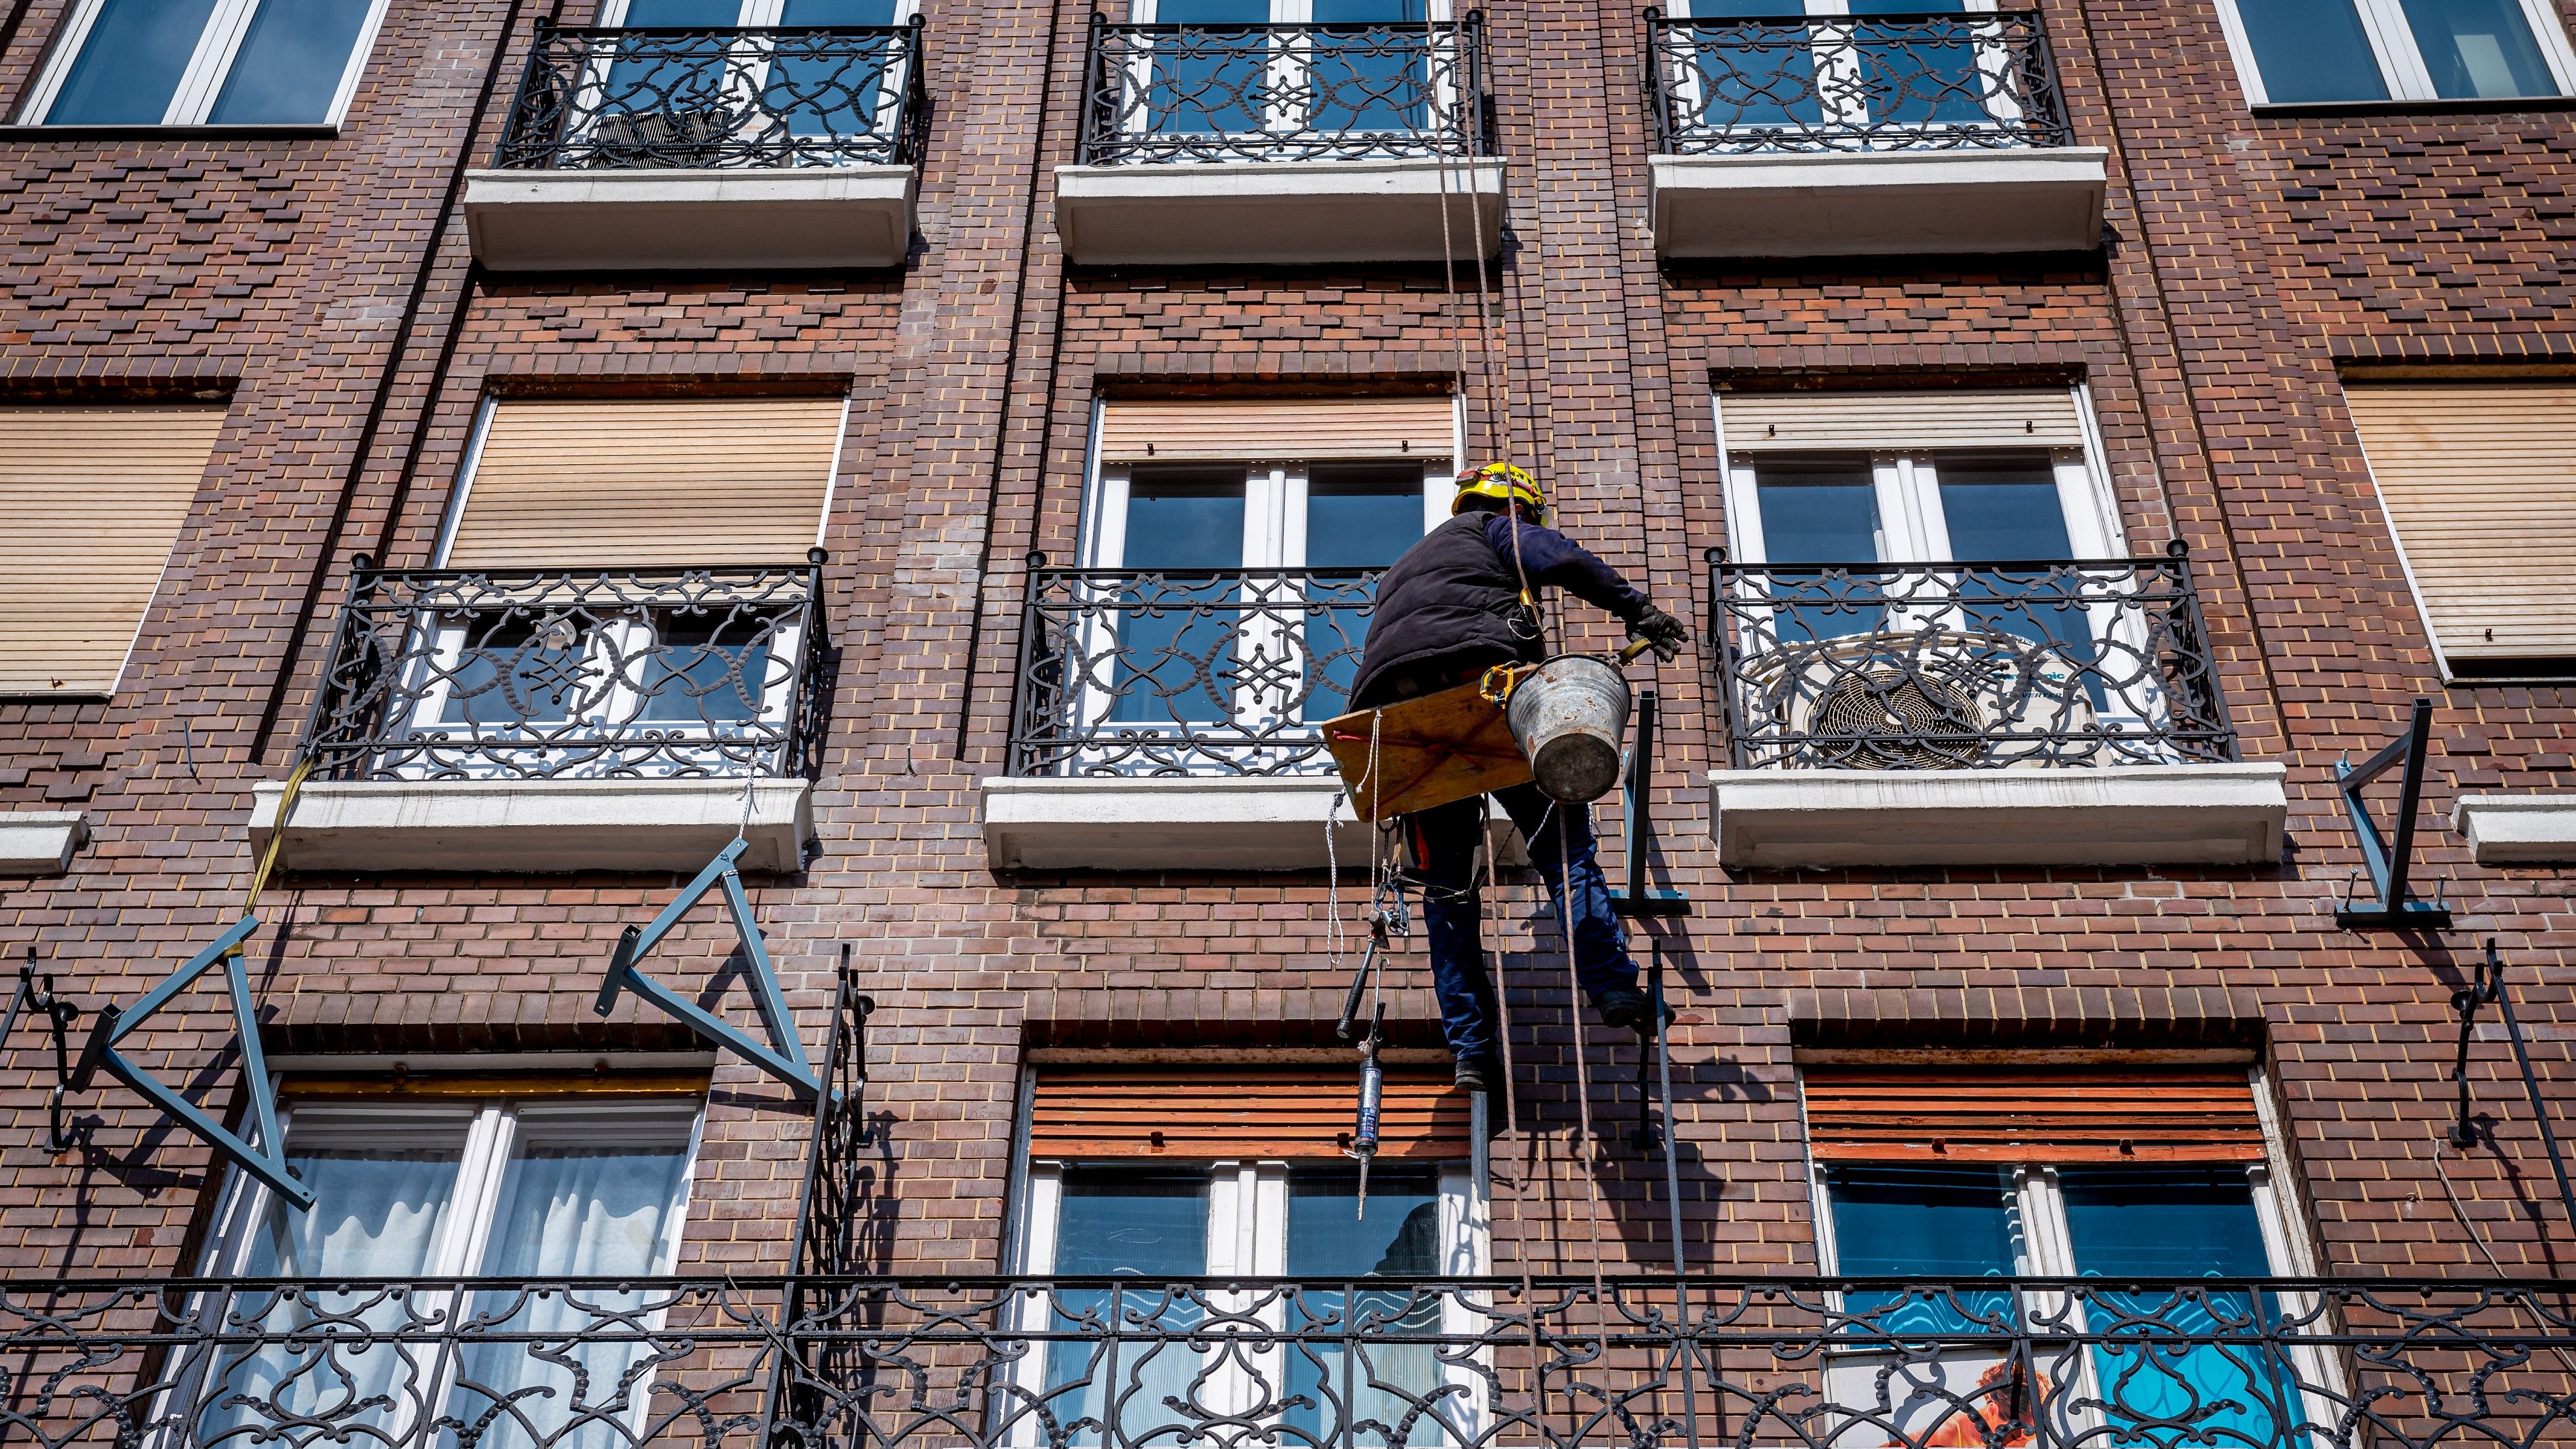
(277,836)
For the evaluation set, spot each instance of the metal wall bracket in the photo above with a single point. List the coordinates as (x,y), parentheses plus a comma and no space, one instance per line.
(783,1056)
(1636,898)
(114,1025)
(2387,860)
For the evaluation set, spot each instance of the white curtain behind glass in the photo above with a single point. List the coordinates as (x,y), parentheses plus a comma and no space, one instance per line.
(571,1212)
(376,1214)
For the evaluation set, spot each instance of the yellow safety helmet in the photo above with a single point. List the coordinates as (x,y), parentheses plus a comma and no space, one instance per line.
(1502,482)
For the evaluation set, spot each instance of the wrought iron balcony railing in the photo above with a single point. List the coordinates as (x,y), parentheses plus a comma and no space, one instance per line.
(1950,666)
(717,99)
(1178,93)
(630,673)
(1172,672)
(1368,1363)
(1856,83)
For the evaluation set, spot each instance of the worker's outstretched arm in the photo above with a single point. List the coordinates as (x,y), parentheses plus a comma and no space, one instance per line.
(1550,558)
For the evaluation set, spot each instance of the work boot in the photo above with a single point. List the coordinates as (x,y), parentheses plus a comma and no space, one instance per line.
(1627,1006)
(1478,1072)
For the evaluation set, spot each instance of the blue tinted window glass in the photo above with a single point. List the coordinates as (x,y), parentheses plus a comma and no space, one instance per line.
(1123,1222)
(1368,12)
(1327,1238)
(2003,512)
(2312,50)
(2478,48)
(1150,1226)
(290,64)
(1356,518)
(2163,1223)
(838,12)
(2007,511)
(693,14)
(1909,7)
(1925,1222)
(1819,515)
(1212,12)
(1397,1373)
(1177,639)
(130,64)
(1185,525)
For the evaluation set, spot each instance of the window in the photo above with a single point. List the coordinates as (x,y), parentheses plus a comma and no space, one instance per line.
(2002,1175)
(1252,526)
(2479,481)
(1855,70)
(91,503)
(2290,52)
(1150,1176)
(1226,79)
(205,62)
(668,101)
(524,1188)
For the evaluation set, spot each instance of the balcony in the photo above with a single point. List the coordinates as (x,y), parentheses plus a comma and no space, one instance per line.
(742,1361)
(1978,713)
(704,149)
(1841,136)
(1282,144)
(550,721)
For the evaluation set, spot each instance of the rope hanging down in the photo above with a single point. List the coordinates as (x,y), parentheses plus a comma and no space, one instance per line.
(783,1056)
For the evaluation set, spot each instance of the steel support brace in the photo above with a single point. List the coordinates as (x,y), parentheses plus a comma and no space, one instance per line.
(1636,898)
(114,1025)
(2388,860)
(784,1057)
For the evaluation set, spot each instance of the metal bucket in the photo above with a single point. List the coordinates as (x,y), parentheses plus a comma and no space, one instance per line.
(1570,716)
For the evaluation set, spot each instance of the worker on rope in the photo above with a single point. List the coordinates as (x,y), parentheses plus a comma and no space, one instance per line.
(1456,604)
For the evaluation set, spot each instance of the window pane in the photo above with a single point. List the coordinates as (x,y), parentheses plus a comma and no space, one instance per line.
(515,668)
(1176,661)
(2003,509)
(1387,1382)
(708,669)
(827,87)
(2006,510)
(1209,81)
(1926,1222)
(2478,48)
(683,14)
(289,65)
(2180,1222)
(1151,1226)
(1821,513)
(838,12)
(1185,520)
(1360,516)
(130,64)
(2312,50)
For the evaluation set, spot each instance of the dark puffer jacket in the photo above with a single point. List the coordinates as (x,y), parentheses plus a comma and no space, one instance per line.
(1450,607)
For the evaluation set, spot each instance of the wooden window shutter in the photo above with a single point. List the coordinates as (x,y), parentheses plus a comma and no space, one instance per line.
(2021,417)
(91,503)
(1231,1112)
(2479,482)
(1276,429)
(2032,1117)
(646,483)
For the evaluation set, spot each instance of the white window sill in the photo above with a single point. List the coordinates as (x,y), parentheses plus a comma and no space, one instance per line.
(40,842)
(484,826)
(1216,823)
(2515,829)
(1278,212)
(1876,203)
(2138,815)
(819,216)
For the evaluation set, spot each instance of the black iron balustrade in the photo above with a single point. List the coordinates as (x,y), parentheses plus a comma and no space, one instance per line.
(736,98)
(1960,665)
(1977,81)
(457,674)
(1325,92)
(1373,1363)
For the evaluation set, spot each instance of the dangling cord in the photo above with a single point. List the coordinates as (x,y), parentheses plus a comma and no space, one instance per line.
(1502,995)
(1448,249)
(1582,1069)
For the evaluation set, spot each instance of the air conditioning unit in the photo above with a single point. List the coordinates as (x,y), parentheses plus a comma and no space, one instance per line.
(662,138)
(1929,700)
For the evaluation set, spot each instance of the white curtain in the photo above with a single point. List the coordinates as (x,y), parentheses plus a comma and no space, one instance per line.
(311,1375)
(570,1212)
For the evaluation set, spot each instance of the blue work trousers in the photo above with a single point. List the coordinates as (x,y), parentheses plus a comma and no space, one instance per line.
(1560,840)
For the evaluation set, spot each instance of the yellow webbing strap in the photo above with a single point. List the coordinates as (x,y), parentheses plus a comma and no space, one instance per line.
(276,835)
(1497,683)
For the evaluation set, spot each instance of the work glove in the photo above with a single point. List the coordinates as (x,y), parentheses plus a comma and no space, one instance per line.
(1661,631)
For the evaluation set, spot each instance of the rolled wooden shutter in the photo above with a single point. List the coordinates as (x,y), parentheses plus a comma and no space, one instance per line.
(2034,1117)
(1239,1112)
(645,483)
(1272,430)
(2021,417)
(91,503)
(2479,482)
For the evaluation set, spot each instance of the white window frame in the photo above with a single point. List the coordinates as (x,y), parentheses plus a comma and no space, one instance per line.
(218,45)
(1839,83)
(1247,1237)
(754,66)
(2401,61)
(1284,65)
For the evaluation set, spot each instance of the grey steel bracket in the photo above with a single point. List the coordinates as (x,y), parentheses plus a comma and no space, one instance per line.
(113,1025)
(783,1056)
(2389,860)
(1636,898)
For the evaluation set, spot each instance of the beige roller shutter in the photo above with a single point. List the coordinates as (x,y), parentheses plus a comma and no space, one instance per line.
(645,483)
(2479,482)
(91,503)
(2021,417)
(1274,429)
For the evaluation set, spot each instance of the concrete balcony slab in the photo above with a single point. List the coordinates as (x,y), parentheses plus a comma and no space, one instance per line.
(1283,212)
(2516,829)
(2136,815)
(1870,203)
(1211,823)
(818,216)
(40,842)
(487,826)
